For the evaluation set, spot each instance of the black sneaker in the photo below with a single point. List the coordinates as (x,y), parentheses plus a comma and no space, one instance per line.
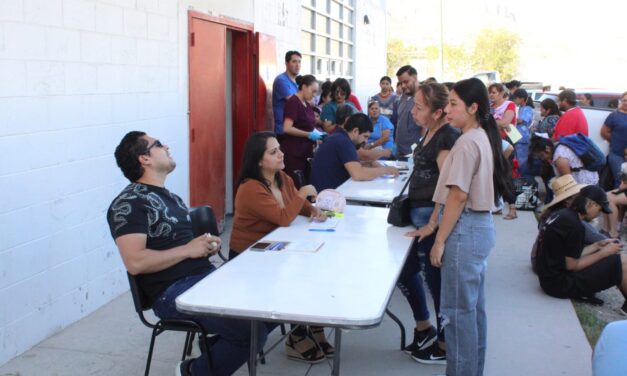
(422,340)
(623,309)
(431,355)
(182,368)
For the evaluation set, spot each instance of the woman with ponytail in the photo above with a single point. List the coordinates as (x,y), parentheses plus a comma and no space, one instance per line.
(473,176)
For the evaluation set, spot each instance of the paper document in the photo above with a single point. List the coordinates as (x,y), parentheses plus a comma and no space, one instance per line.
(330,224)
(513,134)
(304,246)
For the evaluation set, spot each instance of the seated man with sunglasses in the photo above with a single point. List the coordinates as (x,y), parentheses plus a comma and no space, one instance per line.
(152,229)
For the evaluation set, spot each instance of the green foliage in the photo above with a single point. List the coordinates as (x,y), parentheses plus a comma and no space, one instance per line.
(398,55)
(493,49)
(496,49)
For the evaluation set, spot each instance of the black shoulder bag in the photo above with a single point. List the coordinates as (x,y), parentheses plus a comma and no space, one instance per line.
(400,206)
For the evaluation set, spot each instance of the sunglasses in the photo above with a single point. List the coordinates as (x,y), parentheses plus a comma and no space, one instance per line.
(157,143)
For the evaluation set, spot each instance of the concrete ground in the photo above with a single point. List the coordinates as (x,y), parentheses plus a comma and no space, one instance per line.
(529,333)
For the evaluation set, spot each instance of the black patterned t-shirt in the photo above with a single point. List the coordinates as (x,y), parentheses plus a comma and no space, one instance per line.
(164,218)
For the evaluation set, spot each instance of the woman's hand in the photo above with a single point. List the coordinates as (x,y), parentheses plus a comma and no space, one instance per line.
(317,215)
(436,254)
(307,191)
(422,232)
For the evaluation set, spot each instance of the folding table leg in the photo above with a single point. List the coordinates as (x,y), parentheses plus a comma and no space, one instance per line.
(252,363)
(400,325)
(338,347)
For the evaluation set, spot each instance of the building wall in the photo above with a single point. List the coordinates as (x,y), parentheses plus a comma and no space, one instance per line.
(370,48)
(75,76)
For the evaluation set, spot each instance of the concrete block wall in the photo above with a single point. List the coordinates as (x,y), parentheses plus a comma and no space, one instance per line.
(75,75)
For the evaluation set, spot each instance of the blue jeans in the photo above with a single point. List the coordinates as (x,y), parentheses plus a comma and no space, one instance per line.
(615,161)
(231,350)
(464,266)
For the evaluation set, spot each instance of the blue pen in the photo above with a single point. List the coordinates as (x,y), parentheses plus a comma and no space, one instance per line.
(322,229)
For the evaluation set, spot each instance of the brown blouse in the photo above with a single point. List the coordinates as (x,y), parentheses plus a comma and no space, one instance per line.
(257,211)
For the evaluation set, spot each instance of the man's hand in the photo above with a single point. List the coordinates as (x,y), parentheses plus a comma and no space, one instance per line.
(203,246)
(611,248)
(391,170)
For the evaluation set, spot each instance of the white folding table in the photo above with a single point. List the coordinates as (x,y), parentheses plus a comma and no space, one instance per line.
(380,191)
(347,283)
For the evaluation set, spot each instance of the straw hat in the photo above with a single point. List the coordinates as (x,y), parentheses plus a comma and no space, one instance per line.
(563,187)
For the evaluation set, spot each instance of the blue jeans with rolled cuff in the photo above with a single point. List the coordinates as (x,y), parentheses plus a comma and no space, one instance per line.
(464,265)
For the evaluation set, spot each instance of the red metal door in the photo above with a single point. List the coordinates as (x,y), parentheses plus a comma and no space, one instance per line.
(267,71)
(207,135)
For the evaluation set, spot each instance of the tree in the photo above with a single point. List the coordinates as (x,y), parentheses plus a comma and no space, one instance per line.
(457,63)
(398,55)
(496,49)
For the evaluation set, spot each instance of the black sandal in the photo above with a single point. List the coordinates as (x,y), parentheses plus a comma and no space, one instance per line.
(317,332)
(312,355)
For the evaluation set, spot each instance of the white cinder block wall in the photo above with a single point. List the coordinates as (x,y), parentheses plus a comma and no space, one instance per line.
(75,75)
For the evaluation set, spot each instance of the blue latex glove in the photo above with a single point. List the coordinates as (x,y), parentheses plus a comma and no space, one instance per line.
(394,149)
(316,135)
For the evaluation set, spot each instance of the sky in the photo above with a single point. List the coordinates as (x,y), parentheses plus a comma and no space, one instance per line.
(579,44)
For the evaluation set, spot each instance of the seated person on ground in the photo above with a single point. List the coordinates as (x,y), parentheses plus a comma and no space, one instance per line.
(563,160)
(266,199)
(568,269)
(618,200)
(153,232)
(336,159)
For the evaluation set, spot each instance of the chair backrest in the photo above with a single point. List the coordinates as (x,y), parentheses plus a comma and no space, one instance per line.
(140,300)
(203,220)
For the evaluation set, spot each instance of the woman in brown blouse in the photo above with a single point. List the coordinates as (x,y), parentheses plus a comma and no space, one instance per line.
(266,199)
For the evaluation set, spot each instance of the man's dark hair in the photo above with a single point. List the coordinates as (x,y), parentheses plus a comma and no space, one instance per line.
(569,96)
(341,83)
(288,55)
(127,155)
(406,68)
(512,84)
(359,121)
(342,113)
(579,204)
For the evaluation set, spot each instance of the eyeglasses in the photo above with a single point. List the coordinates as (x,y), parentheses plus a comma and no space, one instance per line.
(157,143)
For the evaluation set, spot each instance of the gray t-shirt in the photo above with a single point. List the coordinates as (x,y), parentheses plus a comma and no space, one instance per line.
(469,165)
(407,131)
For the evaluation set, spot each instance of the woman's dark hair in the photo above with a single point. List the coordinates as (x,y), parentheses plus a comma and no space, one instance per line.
(254,149)
(449,85)
(435,95)
(588,96)
(386,78)
(359,121)
(342,84)
(522,93)
(471,91)
(325,90)
(306,80)
(550,105)
(538,144)
(127,155)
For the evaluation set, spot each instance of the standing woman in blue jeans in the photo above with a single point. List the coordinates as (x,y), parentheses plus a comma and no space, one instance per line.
(473,175)
(614,130)
(429,155)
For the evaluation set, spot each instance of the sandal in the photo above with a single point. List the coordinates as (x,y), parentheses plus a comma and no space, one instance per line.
(303,349)
(317,333)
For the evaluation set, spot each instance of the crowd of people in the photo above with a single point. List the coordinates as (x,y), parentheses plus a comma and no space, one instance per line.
(468,143)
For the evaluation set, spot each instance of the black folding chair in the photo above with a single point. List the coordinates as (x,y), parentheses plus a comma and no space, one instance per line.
(204,222)
(191,327)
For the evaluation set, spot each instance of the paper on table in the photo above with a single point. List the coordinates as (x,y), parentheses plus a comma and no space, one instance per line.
(304,246)
(329,224)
